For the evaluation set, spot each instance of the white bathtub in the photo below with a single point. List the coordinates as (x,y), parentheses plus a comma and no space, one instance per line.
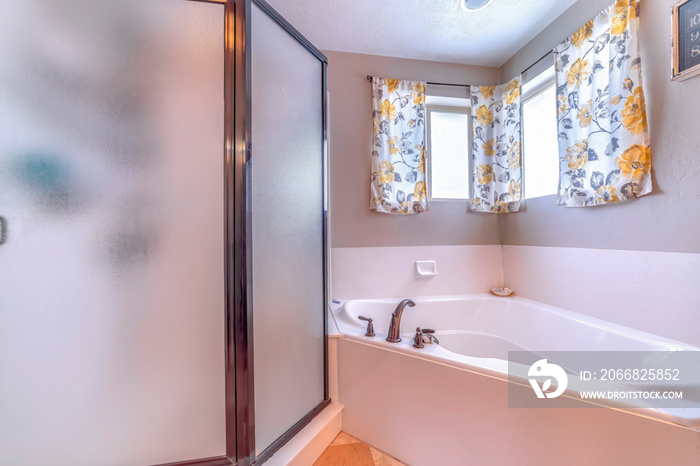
(477,331)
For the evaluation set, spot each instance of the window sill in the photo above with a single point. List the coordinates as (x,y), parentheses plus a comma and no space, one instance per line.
(446,200)
(539,197)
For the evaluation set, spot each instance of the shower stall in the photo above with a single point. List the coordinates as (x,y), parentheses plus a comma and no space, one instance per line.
(163,232)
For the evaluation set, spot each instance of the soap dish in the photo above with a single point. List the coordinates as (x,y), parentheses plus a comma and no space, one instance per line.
(502,291)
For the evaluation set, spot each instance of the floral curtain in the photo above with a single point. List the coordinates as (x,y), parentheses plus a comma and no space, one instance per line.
(398,147)
(604,149)
(496,148)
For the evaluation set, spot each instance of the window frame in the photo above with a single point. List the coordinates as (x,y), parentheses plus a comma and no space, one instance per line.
(540,84)
(460,106)
(543,82)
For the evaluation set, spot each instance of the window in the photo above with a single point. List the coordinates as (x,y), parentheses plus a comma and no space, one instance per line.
(540,146)
(448,131)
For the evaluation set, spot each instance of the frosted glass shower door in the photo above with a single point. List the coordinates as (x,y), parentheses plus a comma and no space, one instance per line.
(287,228)
(112,251)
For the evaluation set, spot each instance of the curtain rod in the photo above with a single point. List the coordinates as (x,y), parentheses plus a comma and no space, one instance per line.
(369,77)
(537,61)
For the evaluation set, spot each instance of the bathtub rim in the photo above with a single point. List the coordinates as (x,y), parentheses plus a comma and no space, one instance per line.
(336,308)
(498,368)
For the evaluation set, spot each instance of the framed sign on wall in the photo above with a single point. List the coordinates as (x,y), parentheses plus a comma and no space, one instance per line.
(686,39)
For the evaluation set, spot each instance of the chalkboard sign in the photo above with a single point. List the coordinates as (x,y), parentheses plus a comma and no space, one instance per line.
(686,39)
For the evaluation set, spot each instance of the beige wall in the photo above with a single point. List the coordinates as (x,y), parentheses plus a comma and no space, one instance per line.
(666,220)
(352,224)
(561,256)
(669,218)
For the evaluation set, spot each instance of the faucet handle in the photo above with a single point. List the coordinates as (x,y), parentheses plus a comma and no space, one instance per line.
(370,326)
(426,335)
(430,337)
(418,339)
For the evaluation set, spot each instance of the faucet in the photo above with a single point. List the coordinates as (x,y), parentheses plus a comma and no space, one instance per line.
(393,336)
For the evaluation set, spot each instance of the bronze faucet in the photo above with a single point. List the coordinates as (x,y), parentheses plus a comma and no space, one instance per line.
(393,336)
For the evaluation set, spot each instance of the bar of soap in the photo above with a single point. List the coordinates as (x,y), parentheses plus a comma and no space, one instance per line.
(502,291)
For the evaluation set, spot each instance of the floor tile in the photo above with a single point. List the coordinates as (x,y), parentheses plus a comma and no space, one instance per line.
(344,439)
(346,450)
(352,454)
(382,459)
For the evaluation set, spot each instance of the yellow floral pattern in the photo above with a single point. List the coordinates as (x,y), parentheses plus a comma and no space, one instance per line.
(487,91)
(485,173)
(606,194)
(488,147)
(418,93)
(392,85)
(420,192)
(582,34)
(634,115)
(514,188)
(496,147)
(398,147)
(484,115)
(386,173)
(584,115)
(604,148)
(635,162)
(388,110)
(623,11)
(512,91)
(421,160)
(578,72)
(577,155)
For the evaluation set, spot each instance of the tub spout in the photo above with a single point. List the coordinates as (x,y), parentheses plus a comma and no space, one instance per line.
(395,324)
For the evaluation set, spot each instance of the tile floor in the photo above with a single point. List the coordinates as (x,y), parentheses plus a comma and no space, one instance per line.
(346,450)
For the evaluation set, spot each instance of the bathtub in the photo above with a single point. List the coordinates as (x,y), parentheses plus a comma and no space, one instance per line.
(477,331)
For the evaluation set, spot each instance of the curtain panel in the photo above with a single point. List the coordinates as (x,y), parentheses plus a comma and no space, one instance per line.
(604,151)
(398,147)
(496,147)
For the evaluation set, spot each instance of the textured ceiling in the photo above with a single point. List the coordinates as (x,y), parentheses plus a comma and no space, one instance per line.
(424,29)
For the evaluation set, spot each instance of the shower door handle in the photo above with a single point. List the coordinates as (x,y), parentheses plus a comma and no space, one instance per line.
(3,230)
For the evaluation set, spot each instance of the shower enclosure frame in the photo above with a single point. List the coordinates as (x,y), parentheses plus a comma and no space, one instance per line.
(239,373)
(240,389)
